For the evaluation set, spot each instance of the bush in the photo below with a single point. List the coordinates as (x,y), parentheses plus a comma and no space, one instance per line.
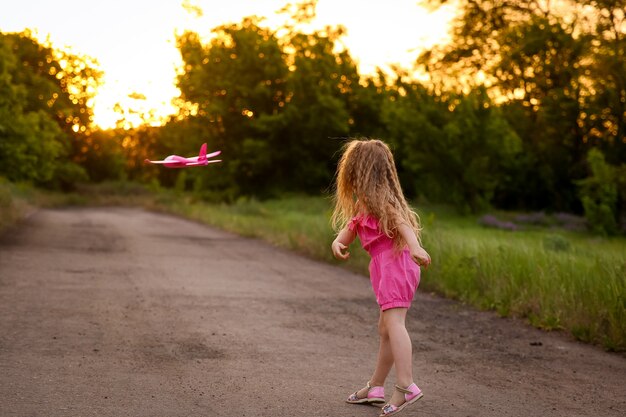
(556,243)
(599,194)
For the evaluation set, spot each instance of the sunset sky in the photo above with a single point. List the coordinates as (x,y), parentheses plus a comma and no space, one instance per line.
(134,40)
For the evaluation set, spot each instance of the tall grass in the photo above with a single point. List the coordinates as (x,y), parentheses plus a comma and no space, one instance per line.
(554,278)
(16,201)
(581,288)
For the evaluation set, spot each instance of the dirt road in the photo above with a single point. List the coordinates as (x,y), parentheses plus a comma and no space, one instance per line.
(120,312)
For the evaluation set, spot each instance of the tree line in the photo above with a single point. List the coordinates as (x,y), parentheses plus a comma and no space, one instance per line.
(524,109)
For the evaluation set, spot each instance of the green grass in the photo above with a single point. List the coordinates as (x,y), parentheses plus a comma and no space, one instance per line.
(581,289)
(557,280)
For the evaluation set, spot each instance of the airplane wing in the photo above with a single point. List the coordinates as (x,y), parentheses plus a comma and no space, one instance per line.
(197,164)
(160,162)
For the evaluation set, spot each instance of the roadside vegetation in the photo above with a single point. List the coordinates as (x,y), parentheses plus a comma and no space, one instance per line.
(16,202)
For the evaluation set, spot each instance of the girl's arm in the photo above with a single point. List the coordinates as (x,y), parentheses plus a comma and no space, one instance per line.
(341,243)
(419,255)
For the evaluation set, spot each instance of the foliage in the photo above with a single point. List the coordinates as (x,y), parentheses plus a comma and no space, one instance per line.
(455,150)
(29,140)
(599,194)
(103,157)
(45,110)
(321,85)
(558,68)
(56,81)
(237,85)
(271,104)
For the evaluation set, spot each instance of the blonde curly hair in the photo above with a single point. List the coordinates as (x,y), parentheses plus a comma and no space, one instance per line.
(367,182)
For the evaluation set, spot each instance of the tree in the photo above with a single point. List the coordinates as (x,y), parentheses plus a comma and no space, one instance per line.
(52,89)
(271,104)
(599,194)
(103,156)
(236,83)
(321,87)
(558,74)
(457,151)
(29,140)
(605,125)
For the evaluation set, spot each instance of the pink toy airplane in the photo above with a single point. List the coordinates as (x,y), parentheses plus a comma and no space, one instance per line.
(175,161)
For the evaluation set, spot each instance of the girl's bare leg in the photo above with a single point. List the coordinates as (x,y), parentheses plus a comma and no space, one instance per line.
(385,356)
(400,343)
(384,361)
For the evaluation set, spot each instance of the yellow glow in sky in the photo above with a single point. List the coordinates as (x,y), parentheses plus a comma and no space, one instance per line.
(134,40)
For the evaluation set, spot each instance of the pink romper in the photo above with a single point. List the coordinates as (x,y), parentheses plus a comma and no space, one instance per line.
(394,275)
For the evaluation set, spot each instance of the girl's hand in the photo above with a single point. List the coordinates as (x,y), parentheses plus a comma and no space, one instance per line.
(338,250)
(420,256)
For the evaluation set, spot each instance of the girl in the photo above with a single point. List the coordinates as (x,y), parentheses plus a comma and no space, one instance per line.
(369,203)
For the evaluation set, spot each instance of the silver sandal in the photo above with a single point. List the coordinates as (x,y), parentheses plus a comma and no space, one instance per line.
(411,394)
(375,396)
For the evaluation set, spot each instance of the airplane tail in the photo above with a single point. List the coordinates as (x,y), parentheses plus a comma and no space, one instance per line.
(202,155)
